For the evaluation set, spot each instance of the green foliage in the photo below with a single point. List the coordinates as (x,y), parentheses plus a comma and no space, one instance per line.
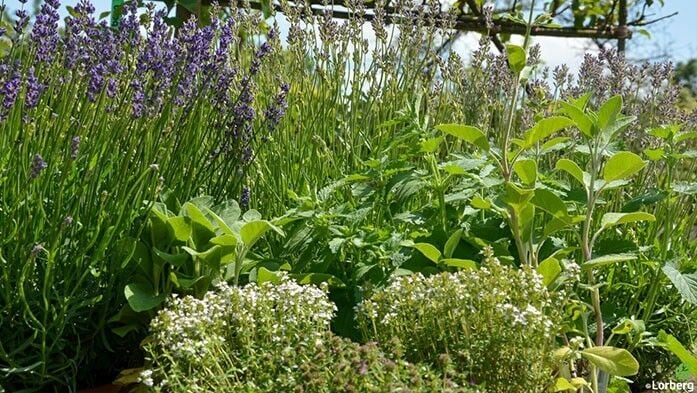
(187,252)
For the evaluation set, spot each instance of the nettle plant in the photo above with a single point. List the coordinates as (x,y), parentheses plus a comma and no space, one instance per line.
(540,210)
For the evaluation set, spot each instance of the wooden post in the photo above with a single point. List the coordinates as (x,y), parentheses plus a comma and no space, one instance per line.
(622,28)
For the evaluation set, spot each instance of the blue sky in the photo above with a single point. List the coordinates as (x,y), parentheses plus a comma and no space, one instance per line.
(676,36)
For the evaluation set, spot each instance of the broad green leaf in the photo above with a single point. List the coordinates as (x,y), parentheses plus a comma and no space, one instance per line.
(630,325)
(251,215)
(607,114)
(181,227)
(549,202)
(254,230)
(318,278)
(607,260)
(452,243)
(620,123)
(686,284)
(182,282)
(663,132)
(201,228)
(549,269)
(582,121)
(429,251)
(654,154)
(173,259)
(431,145)
(212,256)
(614,361)
(563,385)
(544,128)
(612,219)
(225,240)
(674,346)
(480,203)
(335,244)
(622,165)
(459,263)
(649,198)
(572,169)
(468,134)
(266,275)
(516,197)
(142,297)
(558,223)
(554,143)
(526,171)
(228,211)
(516,57)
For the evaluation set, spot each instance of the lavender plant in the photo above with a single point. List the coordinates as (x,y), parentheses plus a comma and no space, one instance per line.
(93,122)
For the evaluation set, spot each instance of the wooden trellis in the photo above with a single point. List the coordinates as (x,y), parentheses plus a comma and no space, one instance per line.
(471,18)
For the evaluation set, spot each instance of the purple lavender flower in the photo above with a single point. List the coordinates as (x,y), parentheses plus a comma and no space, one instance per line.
(96,83)
(45,31)
(129,26)
(22,21)
(244,198)
(138,99)
(74,147)
(263,50)
(277,109)
(10,90)
(34,90)
(38,165)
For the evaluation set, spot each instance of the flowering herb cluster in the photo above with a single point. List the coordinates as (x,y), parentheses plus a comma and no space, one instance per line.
(272,338)
(506,321)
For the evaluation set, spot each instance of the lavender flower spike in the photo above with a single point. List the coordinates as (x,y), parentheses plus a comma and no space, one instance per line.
(38,165)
